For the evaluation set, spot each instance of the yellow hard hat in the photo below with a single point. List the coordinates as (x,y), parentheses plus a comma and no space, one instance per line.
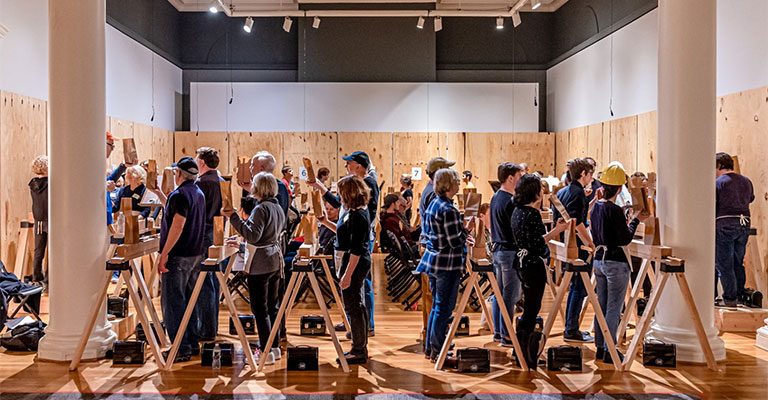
(614,174)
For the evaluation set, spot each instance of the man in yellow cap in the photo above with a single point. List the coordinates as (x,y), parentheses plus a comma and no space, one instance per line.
(610,232)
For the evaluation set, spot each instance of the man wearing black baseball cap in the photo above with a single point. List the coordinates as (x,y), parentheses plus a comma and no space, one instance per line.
(181,252)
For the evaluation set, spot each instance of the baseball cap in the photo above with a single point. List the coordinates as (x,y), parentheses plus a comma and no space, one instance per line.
(186,164)
(359,157)
(438,163)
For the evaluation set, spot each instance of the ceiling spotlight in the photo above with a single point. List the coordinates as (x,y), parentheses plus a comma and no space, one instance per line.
(248,24)
(316,22)
(420,24)
(287,23)
(213,8)
(499,23)
(535,4)
(516,21)
(438,24)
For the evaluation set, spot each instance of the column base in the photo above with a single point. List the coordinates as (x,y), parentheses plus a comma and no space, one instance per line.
(61,346)
(688,348)
(762,337)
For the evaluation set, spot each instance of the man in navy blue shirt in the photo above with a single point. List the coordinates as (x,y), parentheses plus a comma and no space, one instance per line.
(575,201)
(181,251)
(207,160)
(734,193)
(504,251)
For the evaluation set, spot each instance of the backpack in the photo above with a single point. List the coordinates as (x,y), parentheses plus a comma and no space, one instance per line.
(25,337)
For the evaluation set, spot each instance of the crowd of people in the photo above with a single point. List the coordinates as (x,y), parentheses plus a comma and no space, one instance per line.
(516,237)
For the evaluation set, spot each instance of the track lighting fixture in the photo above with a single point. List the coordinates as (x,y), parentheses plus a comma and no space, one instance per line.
(248,24)
(535,4)
(287,23)
(213,8)
(438,24)
(499,23)
(420,24)
(316,22)
(516,21)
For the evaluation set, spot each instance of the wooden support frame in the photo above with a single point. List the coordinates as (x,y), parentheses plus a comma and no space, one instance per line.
(472,284)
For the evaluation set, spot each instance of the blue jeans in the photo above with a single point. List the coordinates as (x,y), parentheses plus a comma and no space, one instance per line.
(445,290)
(177,286)
(208,307)
(611,280)
(509,283)
(730,246)
(576,295)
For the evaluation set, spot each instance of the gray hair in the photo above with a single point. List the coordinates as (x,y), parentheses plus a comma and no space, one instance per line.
(137,172)
(264,185)
(267,158)
(186,175)
(444,179)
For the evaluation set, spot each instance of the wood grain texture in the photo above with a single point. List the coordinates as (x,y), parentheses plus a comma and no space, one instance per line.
(378,145)
(534,148)
(143,139)
(162,147)
(23,135)
(578,142)
(187,143)
(599,143)
(411,149)
(483,152)
(623,136)
(562,152)
(320,147)
(396,366)
(647,129)
(120,129)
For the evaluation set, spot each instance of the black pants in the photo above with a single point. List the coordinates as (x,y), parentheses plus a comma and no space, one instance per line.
(264,291)
(354,304)
(41,241)
(534,277)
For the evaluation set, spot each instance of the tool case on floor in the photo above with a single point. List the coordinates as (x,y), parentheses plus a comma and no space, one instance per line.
(539,327)
(303,358)
(659,354)
(247,321)
(312,325)
(117,306)
(564,358)
(140,331)
(206,354)
(463,329)
(473,360)
(752,298)
(128,352)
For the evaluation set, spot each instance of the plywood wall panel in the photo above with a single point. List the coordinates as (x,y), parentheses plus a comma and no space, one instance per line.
(624,142)
(187,143)
(483,153)
(120,129)
(412,150)
(647,129)
(247,144)
(578,142)
(144,140)
(378,145)
(451,147)
(562,152)
(23,135)
(162,147)
(320,147)
(535,148)
(598,144)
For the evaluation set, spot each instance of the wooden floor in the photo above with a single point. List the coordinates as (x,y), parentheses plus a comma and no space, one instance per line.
(397,365)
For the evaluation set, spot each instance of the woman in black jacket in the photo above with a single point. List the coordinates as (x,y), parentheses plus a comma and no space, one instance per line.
(262,230)
(352,239)
(38,188)
(134,189)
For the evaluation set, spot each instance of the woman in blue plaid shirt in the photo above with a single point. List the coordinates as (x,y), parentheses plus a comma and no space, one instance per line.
(444,258)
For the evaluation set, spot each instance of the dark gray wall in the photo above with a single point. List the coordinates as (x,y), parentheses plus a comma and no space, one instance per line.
(155,24)
(366,50)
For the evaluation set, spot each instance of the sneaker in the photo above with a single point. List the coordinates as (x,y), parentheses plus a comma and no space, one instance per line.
(179,357)
(504,342)
(578,337)
(722,303)
(496,338)
(354,359)
(270,357)
(339,327)
(277,353)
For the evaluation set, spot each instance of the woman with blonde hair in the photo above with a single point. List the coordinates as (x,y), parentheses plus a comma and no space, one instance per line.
(134,189)
(352,238)
(38,188)
(263,230)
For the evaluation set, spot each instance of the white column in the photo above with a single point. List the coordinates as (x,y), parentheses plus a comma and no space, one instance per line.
(686,168)
(76,146)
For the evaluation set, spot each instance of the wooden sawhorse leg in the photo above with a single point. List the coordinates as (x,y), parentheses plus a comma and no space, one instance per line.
(147,300)
(336,297)
(674,267)
(302,268)
(472,285)
(629,309)
(122,267)
(553,286)
(583,270)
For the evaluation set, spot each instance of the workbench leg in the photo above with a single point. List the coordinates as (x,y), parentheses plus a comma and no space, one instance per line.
(147,300)
(700,332)
(486,311)
(629,310)
(191,304)
(236,321)
(557,303)
(645,321)
(553,289)
(94,315)
(584,303)
(148,331)
(328,321)
(336,297)
(602,323)
(507,320)
(455,324)
(291,291)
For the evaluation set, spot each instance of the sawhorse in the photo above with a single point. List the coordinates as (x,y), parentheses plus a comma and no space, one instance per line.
(302,268)
(331,282)
(484,266)
(675,267)
(142,304)
(582,268)
(211,265)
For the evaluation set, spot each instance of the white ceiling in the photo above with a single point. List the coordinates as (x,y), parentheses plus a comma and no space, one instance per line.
(245,6)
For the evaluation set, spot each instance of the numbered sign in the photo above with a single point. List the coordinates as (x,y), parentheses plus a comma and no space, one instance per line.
(416,173)
(303,174)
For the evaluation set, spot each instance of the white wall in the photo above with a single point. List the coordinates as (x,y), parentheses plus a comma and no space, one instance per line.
(24,50)
(579,87)
(371,107)
(24,66)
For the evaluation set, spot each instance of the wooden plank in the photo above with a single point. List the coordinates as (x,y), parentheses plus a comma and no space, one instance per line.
(23,123)
(537,149)
(320,147)
(624,142)
(740,319)
(378,145)
(187,143)
(647,129)
(120,129)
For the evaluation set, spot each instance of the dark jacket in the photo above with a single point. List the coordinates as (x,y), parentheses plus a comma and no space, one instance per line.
(135,196)
(610,229)
(262,229)
(38,188)
(209,185)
